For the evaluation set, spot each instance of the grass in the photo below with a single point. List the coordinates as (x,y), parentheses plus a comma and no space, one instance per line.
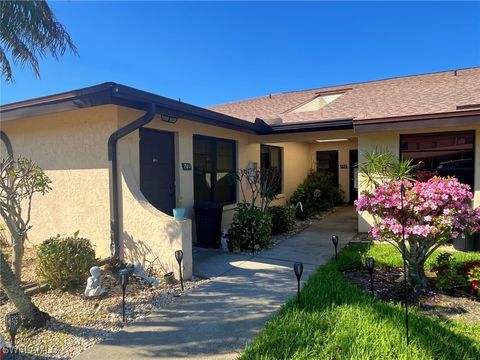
(386,256)
(336,320)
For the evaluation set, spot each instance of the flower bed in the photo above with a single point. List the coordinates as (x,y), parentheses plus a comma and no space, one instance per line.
(455,301)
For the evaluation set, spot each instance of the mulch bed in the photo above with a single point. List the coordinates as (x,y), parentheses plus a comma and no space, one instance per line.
(389,287)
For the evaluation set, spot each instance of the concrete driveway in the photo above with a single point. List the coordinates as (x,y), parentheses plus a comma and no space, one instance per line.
(217,320)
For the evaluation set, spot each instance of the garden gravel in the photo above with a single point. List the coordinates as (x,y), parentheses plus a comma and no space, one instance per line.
(78,323)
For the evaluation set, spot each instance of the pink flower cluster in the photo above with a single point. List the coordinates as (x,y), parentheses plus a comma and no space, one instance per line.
(438,209)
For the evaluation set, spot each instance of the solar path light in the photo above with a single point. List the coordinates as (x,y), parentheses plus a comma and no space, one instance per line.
(298,269)
(179,257)
(335,244)
(12,323)
(252,238)
(124,273)
(370,264)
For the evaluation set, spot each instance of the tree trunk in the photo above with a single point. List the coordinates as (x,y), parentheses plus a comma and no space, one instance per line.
(17,255)
(31,315)
(416,272)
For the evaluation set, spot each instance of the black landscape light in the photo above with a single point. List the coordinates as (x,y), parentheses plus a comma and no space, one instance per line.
(253,231)
(12,323)
(124,273)
(370,264)
(298,269)
(179,257)
(405,288)
(335,243)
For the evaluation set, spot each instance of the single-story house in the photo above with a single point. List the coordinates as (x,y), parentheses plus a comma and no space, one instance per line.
(120,159)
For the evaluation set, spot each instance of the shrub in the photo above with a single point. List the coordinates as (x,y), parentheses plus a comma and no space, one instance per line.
(63,262)
(283,219)
(246,219)
(452,273)
(449,274)
(473,276)
(316,193)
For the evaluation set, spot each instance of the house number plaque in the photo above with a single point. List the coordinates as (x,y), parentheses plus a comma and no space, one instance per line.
(187,166)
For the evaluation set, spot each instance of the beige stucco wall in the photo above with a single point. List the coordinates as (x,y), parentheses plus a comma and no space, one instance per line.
(72,149)
(296,164)
(391,140)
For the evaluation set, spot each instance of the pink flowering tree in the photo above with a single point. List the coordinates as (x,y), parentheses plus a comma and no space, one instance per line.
(434,212)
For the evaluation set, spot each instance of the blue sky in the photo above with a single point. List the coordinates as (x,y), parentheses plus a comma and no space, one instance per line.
(210,53)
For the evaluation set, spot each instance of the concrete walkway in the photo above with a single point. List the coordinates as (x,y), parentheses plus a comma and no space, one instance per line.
(217,320)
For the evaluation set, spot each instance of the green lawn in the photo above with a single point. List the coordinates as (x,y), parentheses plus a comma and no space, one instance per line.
(339,321)
(385,255)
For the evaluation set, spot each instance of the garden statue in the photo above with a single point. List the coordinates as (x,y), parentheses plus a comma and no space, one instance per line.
(224,240)
(139,272)
(94,283)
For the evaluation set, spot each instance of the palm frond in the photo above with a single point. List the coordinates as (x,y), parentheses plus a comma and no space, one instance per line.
(6,69)
(29,31)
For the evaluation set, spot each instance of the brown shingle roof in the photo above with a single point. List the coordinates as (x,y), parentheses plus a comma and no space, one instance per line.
(412,95)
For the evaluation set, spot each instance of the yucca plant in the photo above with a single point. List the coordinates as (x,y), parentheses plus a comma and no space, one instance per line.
(382,165)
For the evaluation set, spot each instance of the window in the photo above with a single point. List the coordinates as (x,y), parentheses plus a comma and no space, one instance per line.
(443,154)
(320,100)
(213,163)
(271,159)
(327,161)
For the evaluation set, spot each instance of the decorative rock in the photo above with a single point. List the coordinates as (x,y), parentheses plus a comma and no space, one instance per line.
(94,283)
(139,272)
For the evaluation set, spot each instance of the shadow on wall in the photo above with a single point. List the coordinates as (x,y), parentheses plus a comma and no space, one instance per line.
(136,250)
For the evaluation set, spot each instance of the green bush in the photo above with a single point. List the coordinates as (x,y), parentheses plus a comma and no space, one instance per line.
(63,262)
(454,273)
(316,193)
(244,220)
(283,219)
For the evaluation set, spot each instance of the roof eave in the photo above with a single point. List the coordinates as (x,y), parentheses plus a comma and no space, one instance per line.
(77,99)
(112,93)
(130,97)
(454,118)
(320,125)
